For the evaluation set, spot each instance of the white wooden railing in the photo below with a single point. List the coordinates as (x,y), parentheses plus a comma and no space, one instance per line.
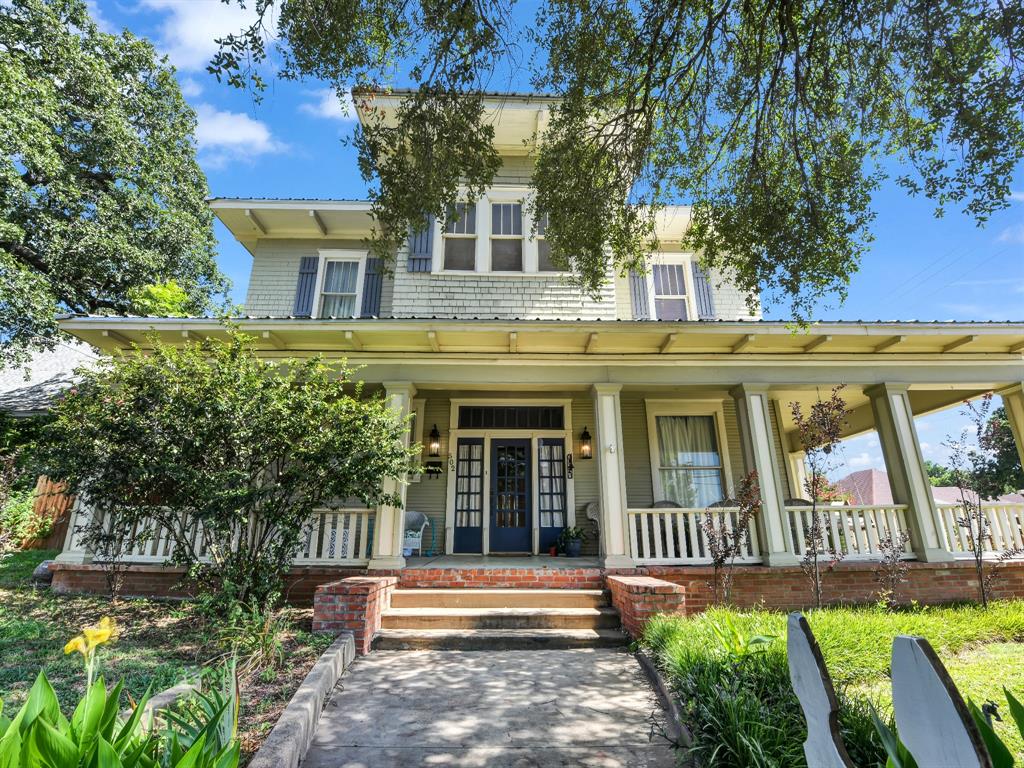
(674,536)
(853,531)
(331,537)
(1005,527)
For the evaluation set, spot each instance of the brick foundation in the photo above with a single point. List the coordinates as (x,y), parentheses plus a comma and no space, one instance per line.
(353,605)
(638,598)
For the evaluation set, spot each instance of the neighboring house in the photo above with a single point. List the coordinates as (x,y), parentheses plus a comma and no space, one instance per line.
(31,390)
(871,487)
(540,407)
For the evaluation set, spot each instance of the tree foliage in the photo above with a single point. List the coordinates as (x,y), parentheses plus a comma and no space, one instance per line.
(776,120)
(209,434)
(100,191)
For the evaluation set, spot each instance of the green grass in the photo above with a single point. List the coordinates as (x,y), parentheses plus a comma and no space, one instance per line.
(982,650)
(16,569)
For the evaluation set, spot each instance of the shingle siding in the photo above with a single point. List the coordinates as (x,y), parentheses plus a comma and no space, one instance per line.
(730,301)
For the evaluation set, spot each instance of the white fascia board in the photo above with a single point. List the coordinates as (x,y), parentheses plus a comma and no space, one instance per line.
(290,205)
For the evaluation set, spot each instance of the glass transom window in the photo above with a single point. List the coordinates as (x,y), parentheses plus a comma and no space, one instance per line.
(670,291)
(507,237)
(689,460)
(460,237)
(340,288)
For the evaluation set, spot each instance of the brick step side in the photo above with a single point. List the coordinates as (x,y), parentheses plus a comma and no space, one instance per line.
(500,618)
(496,640)
(498,598)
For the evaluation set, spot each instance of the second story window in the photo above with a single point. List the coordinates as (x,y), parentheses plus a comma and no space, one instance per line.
(671,296)
(507,237)
(544,262)
(340,285)
(460,237)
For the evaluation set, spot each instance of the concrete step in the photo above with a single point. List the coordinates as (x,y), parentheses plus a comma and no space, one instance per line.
(496,639)
(500,618)
(498,598)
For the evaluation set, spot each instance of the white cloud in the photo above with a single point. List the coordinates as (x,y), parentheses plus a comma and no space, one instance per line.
(190,87)
(101,21)
(863,460)
(1017,196)
(189,32)
(326,104)
(1012,234)
(223,136)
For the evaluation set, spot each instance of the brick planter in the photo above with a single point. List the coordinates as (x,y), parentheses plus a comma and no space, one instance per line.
(353,605)
(638,598)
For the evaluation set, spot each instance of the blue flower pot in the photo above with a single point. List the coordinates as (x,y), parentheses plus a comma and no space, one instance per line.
(573,547)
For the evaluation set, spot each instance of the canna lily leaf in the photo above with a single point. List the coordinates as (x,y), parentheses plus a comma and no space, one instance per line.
(110,714)
(1016,711)
(10,749)
(42,701)
(899,756)
(54,748)
(106,755)
(191,758)
(85,722)
(130,728)
(1001,757)
(229,756)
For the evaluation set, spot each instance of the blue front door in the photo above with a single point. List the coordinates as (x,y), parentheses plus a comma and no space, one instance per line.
(511,497)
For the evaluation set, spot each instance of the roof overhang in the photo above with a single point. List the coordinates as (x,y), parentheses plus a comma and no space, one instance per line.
(252,220)
(620,340)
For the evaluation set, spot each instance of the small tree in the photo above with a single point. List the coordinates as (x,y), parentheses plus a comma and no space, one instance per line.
(892,568)
(819,432)
(224,452)
(978,472)
(728,539)
(8,476)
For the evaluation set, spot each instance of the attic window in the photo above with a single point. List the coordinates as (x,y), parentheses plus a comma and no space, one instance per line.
(460,237)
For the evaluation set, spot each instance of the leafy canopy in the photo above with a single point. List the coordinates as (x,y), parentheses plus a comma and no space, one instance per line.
(776,120)
(211,434)
(100,192)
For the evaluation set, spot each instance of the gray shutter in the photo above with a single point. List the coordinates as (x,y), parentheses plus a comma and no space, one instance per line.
(638,295)
(305,287)
(703,293)
(420,255)
(372,285)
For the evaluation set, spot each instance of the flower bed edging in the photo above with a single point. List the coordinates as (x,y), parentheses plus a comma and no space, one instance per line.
(290,738)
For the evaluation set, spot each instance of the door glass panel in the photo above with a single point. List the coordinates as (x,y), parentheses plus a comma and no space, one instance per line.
(510,488)
(469,486)
(551,491)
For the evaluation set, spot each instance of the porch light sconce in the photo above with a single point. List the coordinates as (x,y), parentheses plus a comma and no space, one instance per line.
(434,446)
(586,445)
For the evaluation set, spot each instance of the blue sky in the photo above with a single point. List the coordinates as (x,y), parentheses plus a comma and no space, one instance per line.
(290,145)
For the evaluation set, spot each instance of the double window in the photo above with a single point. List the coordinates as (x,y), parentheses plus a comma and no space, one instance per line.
(460,238)
(340,284)
(687,459)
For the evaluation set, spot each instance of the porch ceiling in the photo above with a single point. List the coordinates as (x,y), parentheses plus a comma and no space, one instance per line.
(581,341)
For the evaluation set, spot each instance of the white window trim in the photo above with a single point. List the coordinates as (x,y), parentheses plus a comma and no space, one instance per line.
(454,433)
(334,254)
(686,259)
(713,408)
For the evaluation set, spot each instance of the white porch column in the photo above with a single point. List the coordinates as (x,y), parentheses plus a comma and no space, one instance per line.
(796,469)
(73,551)
(894,422)
(611,472)
(1013,401)
(756,436)
(387,528)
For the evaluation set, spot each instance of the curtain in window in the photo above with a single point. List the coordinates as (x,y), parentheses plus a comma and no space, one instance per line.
(690,463)
(339,291)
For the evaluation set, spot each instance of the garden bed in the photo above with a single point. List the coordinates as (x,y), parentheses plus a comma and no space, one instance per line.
(737,700)
(161,644)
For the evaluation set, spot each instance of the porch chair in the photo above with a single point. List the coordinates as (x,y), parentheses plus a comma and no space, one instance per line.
(415,523)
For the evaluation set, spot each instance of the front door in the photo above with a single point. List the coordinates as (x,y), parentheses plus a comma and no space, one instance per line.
(511,529)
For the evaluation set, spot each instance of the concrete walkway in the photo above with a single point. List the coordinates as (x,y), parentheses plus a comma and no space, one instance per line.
(580,707)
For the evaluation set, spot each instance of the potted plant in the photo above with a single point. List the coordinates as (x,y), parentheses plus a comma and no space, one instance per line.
(571,540)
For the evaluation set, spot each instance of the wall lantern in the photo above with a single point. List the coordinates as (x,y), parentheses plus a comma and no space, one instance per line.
(586,445)
(434,446)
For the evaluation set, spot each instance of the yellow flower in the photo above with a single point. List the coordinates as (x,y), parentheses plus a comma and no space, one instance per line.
(103,632)
(77,643)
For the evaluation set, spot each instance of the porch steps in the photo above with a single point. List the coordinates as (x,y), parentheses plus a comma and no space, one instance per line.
(492,619)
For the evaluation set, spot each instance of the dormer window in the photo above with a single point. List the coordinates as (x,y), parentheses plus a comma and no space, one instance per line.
(671,289)
(460,238)
(507,237)
(340,284)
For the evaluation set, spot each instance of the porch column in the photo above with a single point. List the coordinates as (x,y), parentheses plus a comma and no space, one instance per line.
(611,473)
(757,438)
(387,528)
(73,551)
(797,473)
(894,422)
(1013,401)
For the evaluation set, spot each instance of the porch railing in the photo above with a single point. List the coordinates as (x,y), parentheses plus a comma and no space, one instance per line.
(854,531)
(1005,527)
(675,536)
(331,537)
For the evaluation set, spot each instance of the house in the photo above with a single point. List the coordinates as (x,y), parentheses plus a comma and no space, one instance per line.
(539,407)
(872,487)
(30,391)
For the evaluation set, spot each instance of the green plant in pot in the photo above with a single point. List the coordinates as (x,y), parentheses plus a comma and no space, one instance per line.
(570,540)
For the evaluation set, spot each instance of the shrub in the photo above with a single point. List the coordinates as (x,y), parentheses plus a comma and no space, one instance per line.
(19,518)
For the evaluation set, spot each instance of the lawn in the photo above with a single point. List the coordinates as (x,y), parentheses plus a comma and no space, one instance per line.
(740,705)
(161,644)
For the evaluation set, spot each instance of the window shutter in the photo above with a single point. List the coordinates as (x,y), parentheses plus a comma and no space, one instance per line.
(306,286)
(420,247)
(703,293)
(372,285)
(638,295)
